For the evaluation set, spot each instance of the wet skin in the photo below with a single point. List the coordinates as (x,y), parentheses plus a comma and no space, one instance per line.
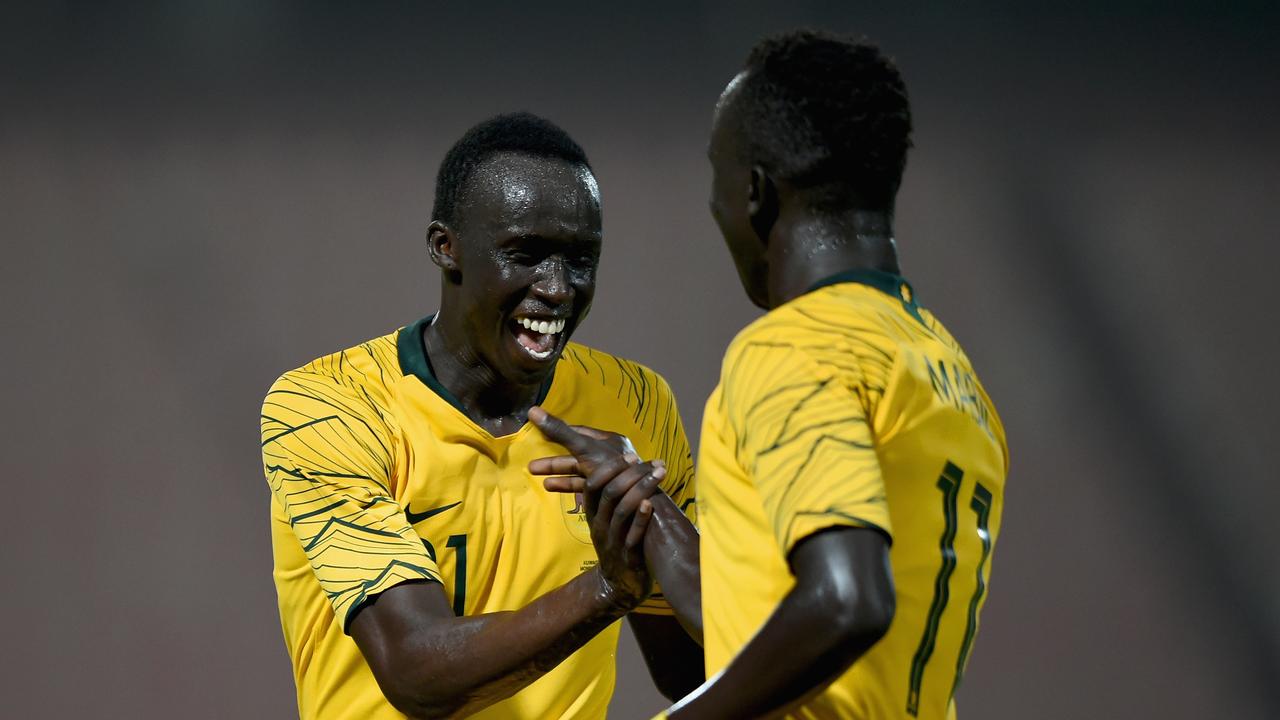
(779,245)
(843,598)
(526,243)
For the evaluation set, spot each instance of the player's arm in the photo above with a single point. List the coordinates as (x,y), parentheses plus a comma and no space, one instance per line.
(328,453)
(842,603)
(674,659)
(802,436)
(672,545)
(671,645)
(672,553)
(430,663)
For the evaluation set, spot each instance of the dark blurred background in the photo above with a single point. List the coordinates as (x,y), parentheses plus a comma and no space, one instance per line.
(189,191)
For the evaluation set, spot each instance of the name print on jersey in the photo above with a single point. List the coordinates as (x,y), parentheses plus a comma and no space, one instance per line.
(958,387)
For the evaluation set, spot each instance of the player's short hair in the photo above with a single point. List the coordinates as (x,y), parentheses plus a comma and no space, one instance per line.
(519,132)
(829,115)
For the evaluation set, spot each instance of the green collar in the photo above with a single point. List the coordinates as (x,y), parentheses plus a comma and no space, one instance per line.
(414,361)
(886,282)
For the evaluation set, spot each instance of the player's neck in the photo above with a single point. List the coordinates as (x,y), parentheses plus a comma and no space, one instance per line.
(491,401)
(805,248)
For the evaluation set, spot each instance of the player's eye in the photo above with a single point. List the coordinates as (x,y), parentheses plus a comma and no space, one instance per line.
(586,259)
(524,256)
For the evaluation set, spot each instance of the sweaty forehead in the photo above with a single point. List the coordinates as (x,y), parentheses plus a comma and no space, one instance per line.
(518,192)
(731,91)
(723,119)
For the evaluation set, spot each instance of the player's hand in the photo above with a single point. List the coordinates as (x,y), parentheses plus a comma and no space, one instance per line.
(592,465)
(622,513)
(568,466)
(616,491)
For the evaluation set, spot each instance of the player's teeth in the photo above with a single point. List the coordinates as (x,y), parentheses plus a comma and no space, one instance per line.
(546,327)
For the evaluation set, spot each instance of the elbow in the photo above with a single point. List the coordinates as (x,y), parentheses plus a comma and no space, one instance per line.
(877,617)
(421,705)
(844,578)
(413,687)
(863,619)
(426,713)
(427,694)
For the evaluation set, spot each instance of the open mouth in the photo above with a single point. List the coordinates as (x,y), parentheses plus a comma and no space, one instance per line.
(538,337)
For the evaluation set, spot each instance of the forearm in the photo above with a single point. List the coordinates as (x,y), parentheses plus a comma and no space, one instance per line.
(674,659)
(510,650)
(457,666)
(773,672)
(671,552)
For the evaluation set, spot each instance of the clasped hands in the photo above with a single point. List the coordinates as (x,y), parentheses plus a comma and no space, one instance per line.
(616,487)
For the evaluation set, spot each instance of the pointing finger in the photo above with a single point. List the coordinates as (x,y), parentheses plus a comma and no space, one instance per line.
(621,443)
(591,432)
(556,429)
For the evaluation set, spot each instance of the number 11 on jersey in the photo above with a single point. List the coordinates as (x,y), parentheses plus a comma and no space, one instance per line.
(949,483)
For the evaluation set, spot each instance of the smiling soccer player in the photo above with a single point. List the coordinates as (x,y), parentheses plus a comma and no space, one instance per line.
(421,570)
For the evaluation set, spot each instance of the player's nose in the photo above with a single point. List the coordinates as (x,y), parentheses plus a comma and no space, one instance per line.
(552,285)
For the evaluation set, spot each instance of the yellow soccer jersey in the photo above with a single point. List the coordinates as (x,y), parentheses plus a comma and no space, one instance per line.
(853,406)
(377,478)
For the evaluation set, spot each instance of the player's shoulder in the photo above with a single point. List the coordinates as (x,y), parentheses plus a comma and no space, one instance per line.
(815,320)
(835,330)
(363,374)
(596,369)
(939,331)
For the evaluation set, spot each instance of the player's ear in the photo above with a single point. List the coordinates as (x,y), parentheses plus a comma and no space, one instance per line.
(762,203)
(442,245)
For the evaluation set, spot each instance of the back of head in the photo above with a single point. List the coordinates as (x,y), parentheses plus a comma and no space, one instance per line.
(828,115)
(520,132)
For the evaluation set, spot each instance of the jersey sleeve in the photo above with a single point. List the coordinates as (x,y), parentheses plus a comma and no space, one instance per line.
(664,431)
(327,454)
(803,437)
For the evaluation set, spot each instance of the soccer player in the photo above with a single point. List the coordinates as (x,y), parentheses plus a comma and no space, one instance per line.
(851,470)
(421,569)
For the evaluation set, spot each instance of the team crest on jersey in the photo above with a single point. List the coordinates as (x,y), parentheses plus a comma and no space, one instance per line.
(575,517)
